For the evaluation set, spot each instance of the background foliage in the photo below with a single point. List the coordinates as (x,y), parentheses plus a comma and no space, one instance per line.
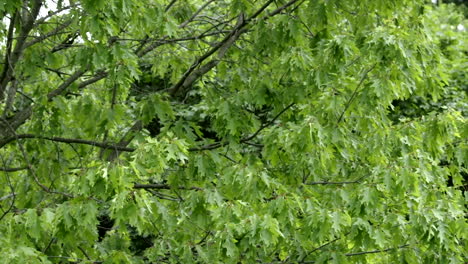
(233,131)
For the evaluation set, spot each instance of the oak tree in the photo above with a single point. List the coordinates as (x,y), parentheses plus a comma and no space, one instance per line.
(232,131)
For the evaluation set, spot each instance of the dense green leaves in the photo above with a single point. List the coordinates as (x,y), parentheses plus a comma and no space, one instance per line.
(233,132)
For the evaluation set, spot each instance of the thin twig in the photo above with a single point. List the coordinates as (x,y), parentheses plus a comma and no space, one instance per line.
(170,5)
(348,104)
(267,124)
(51,14)
(196,14)
(158,186)
(335,183)
(54,32)
(30,168)
(140,52)
(11,195)
(375,251)
(244,140)
(84,253)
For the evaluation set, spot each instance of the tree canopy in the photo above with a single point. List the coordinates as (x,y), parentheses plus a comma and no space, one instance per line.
(233,131)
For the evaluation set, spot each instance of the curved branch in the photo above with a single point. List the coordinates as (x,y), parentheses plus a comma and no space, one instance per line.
(54,32)
(51,14)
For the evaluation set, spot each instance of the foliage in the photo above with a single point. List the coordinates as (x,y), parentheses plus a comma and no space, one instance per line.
(233,131)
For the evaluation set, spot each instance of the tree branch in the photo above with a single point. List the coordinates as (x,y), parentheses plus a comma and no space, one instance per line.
(67,140)
(375,251)
(277,11)
(99,76)
(5,169)
(65,84)
(196,14)
(9,46)
(348,104)
(125,140)
(141,52)
(164,187)
(170,5)
(191,75)
(209,146)
(25,28)
(30,167)
(51,14)
(245,140)
(11,195)
(54,32)
(320,247)
(8,196)
(267,124)
(335,183)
